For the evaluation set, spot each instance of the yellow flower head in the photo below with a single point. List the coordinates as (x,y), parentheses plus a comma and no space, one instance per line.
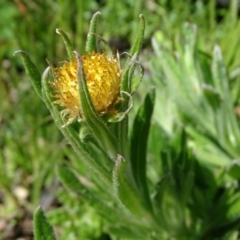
(102,75)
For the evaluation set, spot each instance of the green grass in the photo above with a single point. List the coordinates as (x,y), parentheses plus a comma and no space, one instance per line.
(191,55)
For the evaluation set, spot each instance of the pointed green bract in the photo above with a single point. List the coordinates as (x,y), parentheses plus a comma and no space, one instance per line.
(96,124)
(134,52)
(42,228)
(91,44)
(138,140)
(67,43)
(119,116)
(135,82)
(32,72)
(137,45)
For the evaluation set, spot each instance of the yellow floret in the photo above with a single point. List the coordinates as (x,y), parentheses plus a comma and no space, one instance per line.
(103,81)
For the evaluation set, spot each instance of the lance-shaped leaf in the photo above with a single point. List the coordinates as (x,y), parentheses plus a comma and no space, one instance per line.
(135,82)
(71,135)
(129,195)
(139,138)
(91,44)
(125,189)
(126,83)
(102,133)
(32,72)
(122,126)
(158,195)
(42,228)
(69,180)
(137,45)
(230,126)
(67,43)
(134,52)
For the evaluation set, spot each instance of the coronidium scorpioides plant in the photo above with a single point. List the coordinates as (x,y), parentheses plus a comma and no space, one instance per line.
(97,91)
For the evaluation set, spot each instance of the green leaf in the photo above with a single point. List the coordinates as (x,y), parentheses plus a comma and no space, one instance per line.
(67,43)
(138,141)
(183,82)
(219,71)
(229,123)
(127,84)
(127,191)
(120,115)
(138,42)
(130,64)
(160,189)
(32,72)
(234,169)
(69,179)
(42,228)
(135,83)
(70,133)
(91,44)
(190,37)
(212,95)
(99,128)
(230,43)
(136,48)
(122,127)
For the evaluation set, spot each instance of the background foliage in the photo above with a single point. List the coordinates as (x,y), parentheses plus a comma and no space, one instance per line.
(191,54)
